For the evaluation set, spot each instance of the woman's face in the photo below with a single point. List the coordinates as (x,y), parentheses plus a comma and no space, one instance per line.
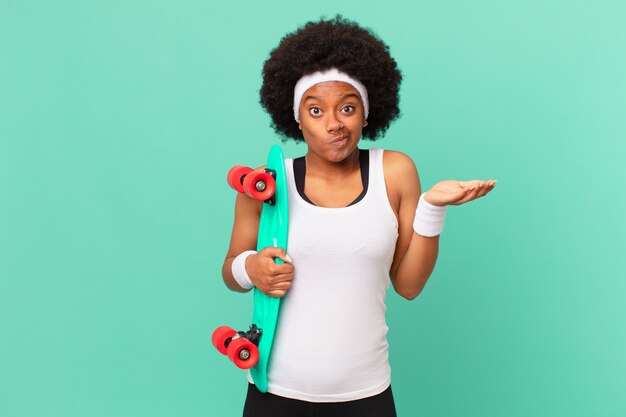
(324,108)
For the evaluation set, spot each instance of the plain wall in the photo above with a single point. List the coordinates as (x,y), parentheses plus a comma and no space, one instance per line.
(120,119)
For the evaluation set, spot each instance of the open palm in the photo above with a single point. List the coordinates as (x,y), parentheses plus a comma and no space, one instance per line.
(455,193)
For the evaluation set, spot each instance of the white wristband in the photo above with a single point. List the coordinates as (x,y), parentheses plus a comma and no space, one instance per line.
(429,218)
(239,269)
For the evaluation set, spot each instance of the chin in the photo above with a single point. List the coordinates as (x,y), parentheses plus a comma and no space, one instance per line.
(340,154)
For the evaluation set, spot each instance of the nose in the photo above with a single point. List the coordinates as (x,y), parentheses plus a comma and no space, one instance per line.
(334,125)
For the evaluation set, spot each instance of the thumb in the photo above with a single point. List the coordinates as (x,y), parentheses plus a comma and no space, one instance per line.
(279,253)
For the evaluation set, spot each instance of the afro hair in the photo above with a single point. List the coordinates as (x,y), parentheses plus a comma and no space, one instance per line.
(321,45)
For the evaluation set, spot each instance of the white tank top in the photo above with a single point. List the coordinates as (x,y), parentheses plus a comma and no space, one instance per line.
(331,340)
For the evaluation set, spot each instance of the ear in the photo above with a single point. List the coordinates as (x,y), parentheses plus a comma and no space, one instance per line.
(299,126)
(364,123)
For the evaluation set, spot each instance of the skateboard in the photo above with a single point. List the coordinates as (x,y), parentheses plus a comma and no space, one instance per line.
(252,349)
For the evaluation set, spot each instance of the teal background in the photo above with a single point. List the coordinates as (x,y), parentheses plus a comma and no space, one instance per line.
(120,119)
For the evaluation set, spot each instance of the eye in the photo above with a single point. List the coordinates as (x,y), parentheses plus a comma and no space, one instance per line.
(315,111)
(347,109)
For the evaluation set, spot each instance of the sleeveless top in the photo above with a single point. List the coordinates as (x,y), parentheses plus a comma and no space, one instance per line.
(331,339)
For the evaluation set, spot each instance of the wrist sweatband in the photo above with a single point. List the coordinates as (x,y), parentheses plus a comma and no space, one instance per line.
(428,218)
(239,269)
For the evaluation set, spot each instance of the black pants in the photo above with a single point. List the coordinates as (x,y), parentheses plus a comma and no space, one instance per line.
(270,405)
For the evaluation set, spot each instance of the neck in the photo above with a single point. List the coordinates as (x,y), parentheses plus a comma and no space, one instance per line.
(329,170)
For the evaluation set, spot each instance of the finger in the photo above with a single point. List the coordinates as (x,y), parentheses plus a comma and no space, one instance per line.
(475,189)
(279,253)
(283,273)
(487,187)
(277,293)
(478,184)
(468,186)
(473,184)
(281,286)
(459,195)
(279,269)
(482,189)
(278,279)
(471,195)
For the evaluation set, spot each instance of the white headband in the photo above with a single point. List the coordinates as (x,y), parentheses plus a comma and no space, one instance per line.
(333,74)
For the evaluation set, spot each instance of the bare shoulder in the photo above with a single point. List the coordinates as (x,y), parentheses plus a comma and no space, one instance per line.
(400,172)
(401,179)
(395,161)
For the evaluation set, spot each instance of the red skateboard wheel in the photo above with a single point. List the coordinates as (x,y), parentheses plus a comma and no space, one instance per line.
(221,336)
(259,185)
(236,176)
(243,353)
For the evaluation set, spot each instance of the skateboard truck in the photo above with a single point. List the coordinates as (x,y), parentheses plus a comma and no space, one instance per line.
(262,185)
(240,347)
(253,335)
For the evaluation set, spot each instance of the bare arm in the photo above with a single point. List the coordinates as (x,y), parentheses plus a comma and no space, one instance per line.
(265,274)
(415,255)
(416,266)
(243,237)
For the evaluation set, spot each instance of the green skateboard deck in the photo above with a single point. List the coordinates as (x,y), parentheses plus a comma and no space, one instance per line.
(252,349)
(273,229)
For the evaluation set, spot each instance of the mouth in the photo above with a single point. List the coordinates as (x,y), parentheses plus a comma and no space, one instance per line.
(340,140)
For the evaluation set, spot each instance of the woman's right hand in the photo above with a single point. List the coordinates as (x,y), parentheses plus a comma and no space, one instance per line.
(271,278)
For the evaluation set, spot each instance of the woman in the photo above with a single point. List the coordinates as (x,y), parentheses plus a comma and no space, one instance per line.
(358,222)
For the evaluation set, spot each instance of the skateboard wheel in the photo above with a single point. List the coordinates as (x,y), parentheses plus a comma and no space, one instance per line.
(259,185)
(236,175)
(221,336)
(243,353)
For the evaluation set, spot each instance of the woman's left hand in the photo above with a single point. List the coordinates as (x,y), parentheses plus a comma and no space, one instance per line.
(455,193)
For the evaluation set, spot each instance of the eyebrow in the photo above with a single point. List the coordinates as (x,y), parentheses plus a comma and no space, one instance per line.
(343,98)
